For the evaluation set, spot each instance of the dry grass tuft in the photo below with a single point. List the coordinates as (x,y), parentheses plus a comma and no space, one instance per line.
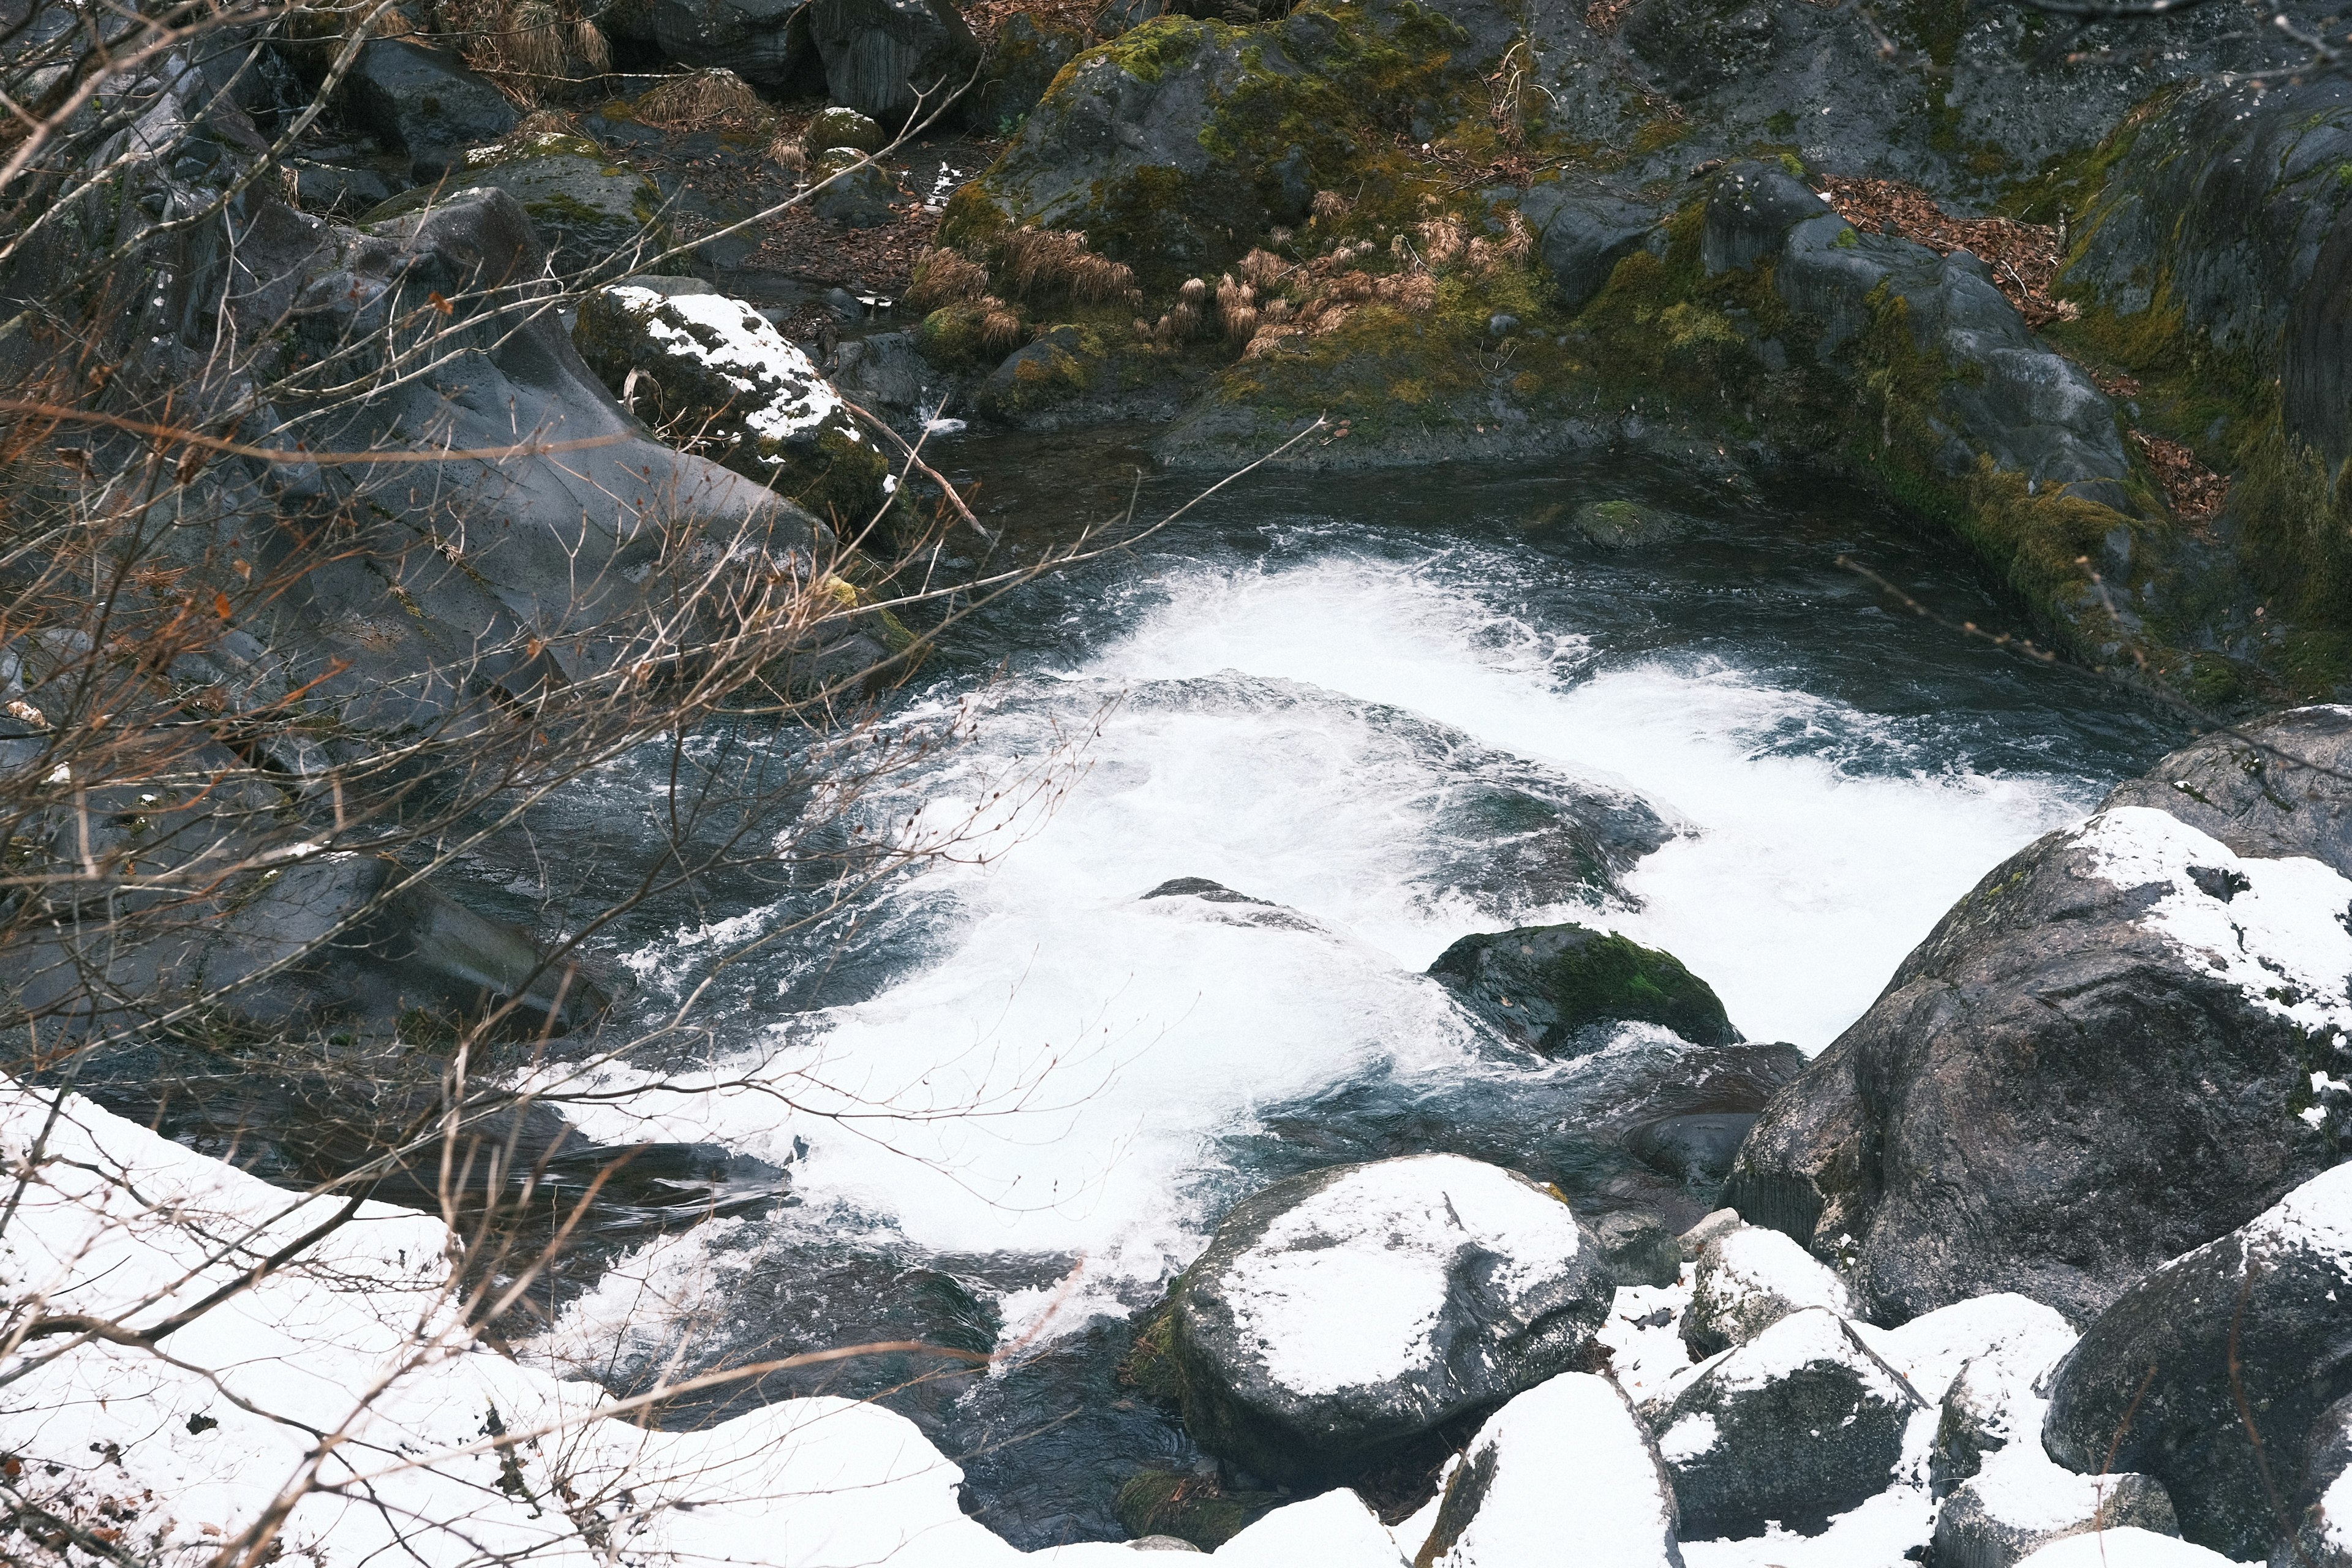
(1236,309)
(787,153)
(1261,269)
(595,50)
(1195,293)
(1000,327)
(1415,291)
(533,44)
(1179,325)
(1329,207)
(543,123)
(1442,239)
(1046,263)
(713,99)
(1270,336)
(947,277)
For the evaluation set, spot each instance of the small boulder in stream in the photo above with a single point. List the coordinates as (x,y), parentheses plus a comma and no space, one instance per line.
(1545,985)
(1341,1314)
(1747,1281)
(2021,1502)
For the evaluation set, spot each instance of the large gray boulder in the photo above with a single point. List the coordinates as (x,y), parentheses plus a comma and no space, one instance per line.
(1803,1422)
(1338,1315)
(423,102)
(765,42)
(2255,1327)
(1967,1134)
(887,58)
(1565,1470)
(596,217)
(2280,785)
(1749,1279)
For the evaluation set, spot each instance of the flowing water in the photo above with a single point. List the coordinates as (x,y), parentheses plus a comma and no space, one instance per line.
(1011,1091)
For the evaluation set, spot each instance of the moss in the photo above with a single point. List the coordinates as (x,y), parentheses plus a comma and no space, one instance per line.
(1191,1508)
(1151,1367)
(2068,183)
(1612,979)
(840,479)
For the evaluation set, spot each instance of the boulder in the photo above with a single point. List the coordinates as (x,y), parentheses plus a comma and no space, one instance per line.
(888,58)
(2127,1547)
(1021,62)
(2271,787)
(1801,1423)
(423,102)
(1565,1472)
(886,372)
(854,193)
(1697,1148)
(2255,1325)
(1995,1398)
(1335,1528)
(2101,1057)
(838,126)
(1932,1350)
(1338,1315)
(1584,231)
(2021,1502)
(1543,986)
(1623,525)
(765,42)
(1747,1281)
(1640,1250)
(595,216)
(2322,1519)
(737,390)
(1719,1222)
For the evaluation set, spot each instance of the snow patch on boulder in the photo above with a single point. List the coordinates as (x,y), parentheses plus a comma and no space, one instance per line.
(784,394)
(2126,1548)
(1749,1278)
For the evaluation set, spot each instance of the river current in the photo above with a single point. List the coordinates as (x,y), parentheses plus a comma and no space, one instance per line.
(1010,1092)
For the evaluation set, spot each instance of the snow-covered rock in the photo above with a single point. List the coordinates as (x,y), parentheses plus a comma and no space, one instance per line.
(2323,1516)
(2005,1347)
(2278,1291)
(2019,1501)
(1333,1531)
(1748,1280)
(2124,1548)
(1565,1472)
(1801,1423)
(1336,1314)
(1720,1222)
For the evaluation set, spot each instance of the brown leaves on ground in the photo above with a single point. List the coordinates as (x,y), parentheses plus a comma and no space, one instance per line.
(984,16)
(881,259)
(2194,491)
(1602,16)
(2023,256)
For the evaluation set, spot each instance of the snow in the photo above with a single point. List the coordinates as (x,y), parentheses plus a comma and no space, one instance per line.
(2335,1513)
(1753,1264)
(1689,1437)
(1345,1290)
(361,1337)
(2315,1217)
(2020,1487)
(1875,1535)
(1799,1339)
(2019,1337)
(2281,938)
(2124,1548)
(1572,1481)
(1645,1357)
(786,394)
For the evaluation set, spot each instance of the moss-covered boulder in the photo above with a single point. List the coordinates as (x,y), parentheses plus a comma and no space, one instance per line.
(1021,62)
(1081,375)
(714,374)
(838,126)
(1545,985)
(592,212)
(1189,1506)
(854,193)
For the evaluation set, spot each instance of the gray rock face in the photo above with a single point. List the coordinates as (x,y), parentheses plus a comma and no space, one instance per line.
(423,102)
(2322,1536)
(1748,1280)
(2276,786)
(1338,1315)
(1583,232)
(2021,1503)
(763,41)
(1799,1424)
(884,58)
(2005,396)
(1968,1133)
(2278,1292)
(1640,1250)
(593,216)
(886,371)
(2230,203)
(1696,1148)
(1544,986)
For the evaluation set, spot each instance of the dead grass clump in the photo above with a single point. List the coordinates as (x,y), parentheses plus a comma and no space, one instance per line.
(946,276)
(1270,336)
(713,99)
(533,44)
(1236,309)
(1179,325)
(787,153)
(595,50)
(1329,207)
(1261,269)
(1414,291)
(1045,263)
(543,123)
(1349,288)
(1487,257)
(1442,239)
(1000,325)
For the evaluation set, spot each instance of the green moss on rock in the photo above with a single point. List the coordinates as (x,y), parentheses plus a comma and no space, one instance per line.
(1544,985)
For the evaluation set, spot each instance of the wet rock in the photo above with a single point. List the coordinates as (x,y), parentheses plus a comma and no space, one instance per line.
(2321,1536)
(753,399)
(1338,1315)
(1583,232)
(342,189)
(1189,1505)
(2272,1300)
(887,58)
(1748,1280)
(1074,374)
(1695,1148)
(1623,525)
(1565,1471)
(592,214)
(885,371)
(1640,1250)
(2021,1502)
(1720,1223)
(1021,60)
(2271,786)
(423,102)
(1801,1423)
(1967,1134)
(1544,985)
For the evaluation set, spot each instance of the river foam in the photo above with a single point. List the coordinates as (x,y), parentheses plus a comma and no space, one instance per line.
(1056,1067)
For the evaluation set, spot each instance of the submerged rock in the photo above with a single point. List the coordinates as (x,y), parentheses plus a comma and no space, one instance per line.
(1801,1423)
(1544,985)
(2261,1316)
(1189,1505)
(1696,1148)
(1565,1472)
(1749,1279)
(2103,1056)
(1338,1315)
